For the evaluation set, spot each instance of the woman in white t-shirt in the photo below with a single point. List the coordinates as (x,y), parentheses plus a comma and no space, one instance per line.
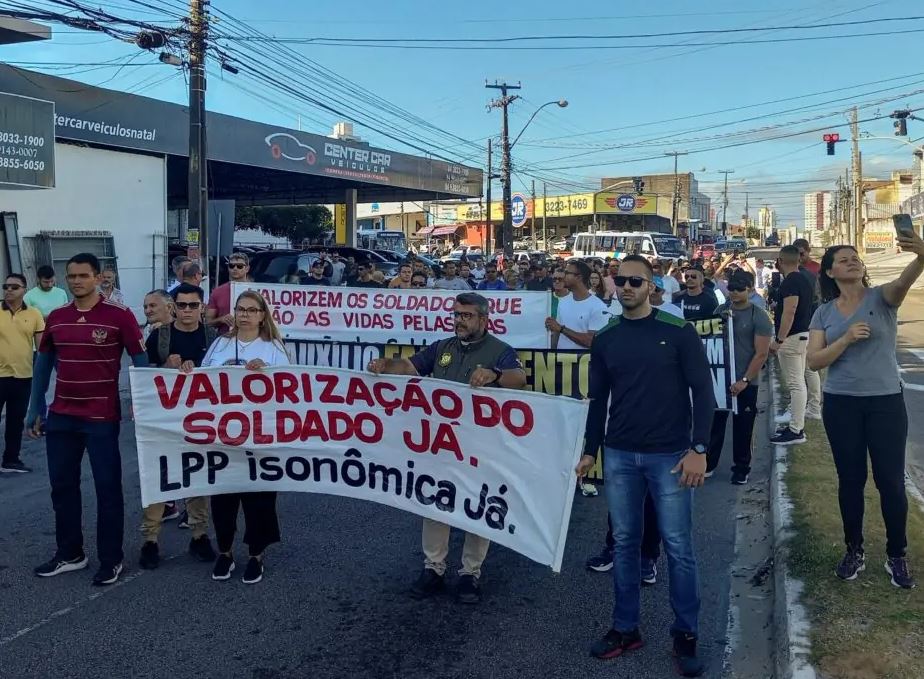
(254,343)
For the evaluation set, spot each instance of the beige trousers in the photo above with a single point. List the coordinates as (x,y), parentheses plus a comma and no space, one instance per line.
(197,508)
(791,355)
(436,549)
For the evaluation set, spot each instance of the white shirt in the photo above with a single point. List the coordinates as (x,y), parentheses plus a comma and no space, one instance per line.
(588,315)
(478,274)
(672,309)
(455,284)
(762,279)
(671,286)
(231,351)
(337,275)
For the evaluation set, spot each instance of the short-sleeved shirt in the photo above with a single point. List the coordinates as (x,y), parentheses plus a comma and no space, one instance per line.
(231,351)
(748,324)
(366,284)
(220,303)
(455,360)
(867,367)
(496,284)
(455,284)
(696,307)
(45,301)
(189,346)
(17,337)
(89,345)
(588,315)
(796,285)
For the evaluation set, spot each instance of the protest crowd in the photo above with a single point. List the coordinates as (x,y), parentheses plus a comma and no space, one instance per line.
(653,417)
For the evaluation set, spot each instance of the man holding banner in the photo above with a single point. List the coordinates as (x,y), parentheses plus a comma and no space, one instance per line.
(646,363)
(474,357)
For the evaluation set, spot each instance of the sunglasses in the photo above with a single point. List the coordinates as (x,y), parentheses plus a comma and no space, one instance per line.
(689,276)
(240,265)
(558,278)
(418,284)
(11,286)
(634,281)
(736,288)
(187,305)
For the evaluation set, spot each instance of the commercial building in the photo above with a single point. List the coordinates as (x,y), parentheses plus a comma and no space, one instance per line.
(692,205)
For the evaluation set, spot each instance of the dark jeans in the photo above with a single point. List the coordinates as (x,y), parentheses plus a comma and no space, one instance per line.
(651,538)
(628,477)
(742,433)
(14,395)
(878,425)
(261,525)
(66,440)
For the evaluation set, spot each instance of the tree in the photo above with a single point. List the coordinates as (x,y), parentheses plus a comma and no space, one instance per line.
(295,222)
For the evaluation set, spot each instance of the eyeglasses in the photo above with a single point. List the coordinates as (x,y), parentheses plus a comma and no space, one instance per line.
(247,310)
(558,279)
(11,286)
(464,315)
(187,305)
(239,265)
(689,276)
(634,281)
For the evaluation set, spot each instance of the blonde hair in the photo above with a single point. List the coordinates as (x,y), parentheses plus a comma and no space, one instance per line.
(269,331)
(378,276)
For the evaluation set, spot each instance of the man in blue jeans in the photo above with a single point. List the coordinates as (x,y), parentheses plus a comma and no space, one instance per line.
(646,363)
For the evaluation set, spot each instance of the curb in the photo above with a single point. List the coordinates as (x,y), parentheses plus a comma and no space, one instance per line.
(791,623)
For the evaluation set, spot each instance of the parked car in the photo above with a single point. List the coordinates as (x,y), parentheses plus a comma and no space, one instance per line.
(360,256)
(272,265)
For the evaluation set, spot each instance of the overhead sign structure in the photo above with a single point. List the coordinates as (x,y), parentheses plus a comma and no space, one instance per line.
(27,142)
(518,209)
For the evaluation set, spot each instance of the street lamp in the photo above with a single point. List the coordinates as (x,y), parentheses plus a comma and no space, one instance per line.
(561,103)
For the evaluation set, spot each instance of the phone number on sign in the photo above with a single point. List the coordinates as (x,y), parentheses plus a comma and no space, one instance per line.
(26,139)
(17,164)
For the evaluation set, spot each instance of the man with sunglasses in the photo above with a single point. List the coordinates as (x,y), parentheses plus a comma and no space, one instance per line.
(21,329)
(218,313)
(364,278)
(474,357)
(696,301)
(644,368)
(559,291)
(180,345)
(580,314)
(419,280)
(491,281)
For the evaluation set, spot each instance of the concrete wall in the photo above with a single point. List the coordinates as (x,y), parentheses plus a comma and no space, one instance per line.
(102,190)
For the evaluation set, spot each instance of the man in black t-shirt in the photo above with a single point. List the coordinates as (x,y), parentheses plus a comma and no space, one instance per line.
(179,345)
(364,276)
(791,319)
(696,301)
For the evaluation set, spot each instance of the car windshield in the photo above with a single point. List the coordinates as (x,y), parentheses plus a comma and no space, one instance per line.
(667,245)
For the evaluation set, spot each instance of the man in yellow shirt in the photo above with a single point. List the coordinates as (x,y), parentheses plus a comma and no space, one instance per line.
(21,329)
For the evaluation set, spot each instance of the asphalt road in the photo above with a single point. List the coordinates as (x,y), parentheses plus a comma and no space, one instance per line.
(911,363)
(333,603)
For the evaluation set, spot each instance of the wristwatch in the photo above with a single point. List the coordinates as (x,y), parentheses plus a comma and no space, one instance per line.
(497,375)
(699,448)
(745,380)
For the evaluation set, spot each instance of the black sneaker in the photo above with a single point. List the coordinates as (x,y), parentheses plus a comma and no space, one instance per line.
(428,584)
(614,644)
(253,573)
(602,562)
(688,665)
(107,575)
(14,467)
(57,565)
(184,520)
(170,512)
(649,572)
(788,437)
(898,568)
(224,565)
(150,556)
(201,548)
(468,591)
(740,478)
(853,563)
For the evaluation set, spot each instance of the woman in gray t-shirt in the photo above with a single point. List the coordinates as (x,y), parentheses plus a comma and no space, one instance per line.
(852,334)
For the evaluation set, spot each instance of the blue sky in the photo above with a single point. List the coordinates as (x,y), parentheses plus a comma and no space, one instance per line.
(616,96)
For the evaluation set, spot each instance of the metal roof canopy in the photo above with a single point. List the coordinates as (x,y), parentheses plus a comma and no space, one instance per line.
(15,31)
(249,162)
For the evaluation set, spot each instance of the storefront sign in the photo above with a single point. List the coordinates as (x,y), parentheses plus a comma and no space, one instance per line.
(609,202)
(27,143)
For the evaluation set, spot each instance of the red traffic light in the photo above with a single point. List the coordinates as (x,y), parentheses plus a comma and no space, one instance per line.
(834,136)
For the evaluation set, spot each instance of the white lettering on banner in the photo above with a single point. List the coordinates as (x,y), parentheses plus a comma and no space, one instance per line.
(417,444)
(381,316)
(717,335)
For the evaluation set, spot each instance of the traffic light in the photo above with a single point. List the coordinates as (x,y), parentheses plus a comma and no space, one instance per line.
(901,122)
(639,185)
(831,139)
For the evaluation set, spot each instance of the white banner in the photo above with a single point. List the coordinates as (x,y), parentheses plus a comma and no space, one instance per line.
(382,316)
(495,462)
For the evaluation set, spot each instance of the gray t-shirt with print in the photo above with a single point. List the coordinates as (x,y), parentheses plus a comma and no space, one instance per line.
(867,367)
(748,323)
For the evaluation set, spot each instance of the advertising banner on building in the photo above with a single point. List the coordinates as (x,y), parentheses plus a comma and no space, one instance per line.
(383,316)
(27,143)
(498,463)
(609,202)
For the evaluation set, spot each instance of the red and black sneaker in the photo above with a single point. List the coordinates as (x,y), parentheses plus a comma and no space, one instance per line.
(615,643)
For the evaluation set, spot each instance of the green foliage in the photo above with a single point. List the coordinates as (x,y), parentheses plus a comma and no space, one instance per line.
(295,222)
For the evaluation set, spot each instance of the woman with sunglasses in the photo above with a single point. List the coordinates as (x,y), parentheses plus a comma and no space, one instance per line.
(752,330)
(853,335)
(255,343)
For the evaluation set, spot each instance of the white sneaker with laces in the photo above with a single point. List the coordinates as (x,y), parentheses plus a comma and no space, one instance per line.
(783,418)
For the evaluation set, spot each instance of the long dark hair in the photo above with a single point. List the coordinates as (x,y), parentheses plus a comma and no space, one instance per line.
(828,286)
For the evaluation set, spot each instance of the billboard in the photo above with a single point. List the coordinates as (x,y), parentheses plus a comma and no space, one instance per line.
(609,202)
(27,142)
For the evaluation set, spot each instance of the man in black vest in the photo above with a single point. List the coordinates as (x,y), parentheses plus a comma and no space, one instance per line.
(477,358)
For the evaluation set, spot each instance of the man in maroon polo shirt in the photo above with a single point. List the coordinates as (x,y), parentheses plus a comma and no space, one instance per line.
(85,340)
(218,312)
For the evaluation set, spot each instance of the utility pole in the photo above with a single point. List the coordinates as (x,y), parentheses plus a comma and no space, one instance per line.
(725,201)
(858,238)
(545,233)
(506,236)
(676,200)
(489,228)
(532,220)
(198,163)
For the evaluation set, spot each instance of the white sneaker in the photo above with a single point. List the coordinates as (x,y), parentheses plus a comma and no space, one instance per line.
(783,418)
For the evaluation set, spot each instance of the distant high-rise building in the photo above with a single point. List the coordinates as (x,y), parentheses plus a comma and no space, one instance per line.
(766,218)
(817,211)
